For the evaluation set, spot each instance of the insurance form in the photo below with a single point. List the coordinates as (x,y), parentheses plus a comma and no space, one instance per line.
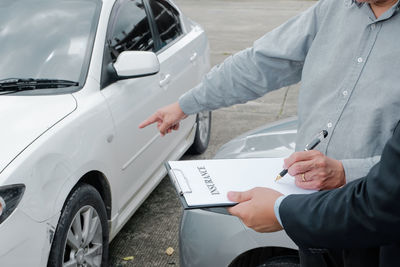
(205,183)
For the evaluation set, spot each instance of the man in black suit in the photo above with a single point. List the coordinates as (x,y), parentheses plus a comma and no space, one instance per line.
(362,214)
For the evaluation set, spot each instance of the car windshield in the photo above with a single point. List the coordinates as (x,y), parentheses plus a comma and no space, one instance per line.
(47,39)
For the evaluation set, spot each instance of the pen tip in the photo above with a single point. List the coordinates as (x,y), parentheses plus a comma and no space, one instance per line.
(277,178)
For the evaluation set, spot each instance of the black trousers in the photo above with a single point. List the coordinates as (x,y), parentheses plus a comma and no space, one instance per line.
(368,257)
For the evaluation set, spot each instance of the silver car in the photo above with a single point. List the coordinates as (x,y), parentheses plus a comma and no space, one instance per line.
(212,237)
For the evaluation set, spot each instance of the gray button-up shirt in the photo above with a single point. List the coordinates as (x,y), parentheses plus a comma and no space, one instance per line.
(349,66)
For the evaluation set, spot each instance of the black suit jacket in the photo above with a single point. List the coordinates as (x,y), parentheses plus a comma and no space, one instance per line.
(362,214)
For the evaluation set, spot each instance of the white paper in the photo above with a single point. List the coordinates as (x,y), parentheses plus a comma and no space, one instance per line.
(207,182)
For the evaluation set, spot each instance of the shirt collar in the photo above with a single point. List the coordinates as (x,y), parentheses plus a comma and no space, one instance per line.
(388,13)
(360,4)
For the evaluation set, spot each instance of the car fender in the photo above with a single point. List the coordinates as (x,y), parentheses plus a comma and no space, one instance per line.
(76,177)
(60,155)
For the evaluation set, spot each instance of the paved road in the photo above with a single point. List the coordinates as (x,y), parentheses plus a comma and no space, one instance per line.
(231,26)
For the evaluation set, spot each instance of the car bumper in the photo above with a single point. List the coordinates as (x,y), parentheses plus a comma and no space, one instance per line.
(24,242)
(216,239)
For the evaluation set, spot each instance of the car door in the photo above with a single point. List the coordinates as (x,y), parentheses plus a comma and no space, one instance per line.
(180,69)
(140,152)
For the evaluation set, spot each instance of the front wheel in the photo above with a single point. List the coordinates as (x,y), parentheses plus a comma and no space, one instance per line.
(282,261)
(203,132)
(81,238)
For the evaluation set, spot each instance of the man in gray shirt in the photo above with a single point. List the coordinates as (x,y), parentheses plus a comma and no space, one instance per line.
(346,55)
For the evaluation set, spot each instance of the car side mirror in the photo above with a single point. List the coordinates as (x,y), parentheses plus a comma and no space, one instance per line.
(132,64)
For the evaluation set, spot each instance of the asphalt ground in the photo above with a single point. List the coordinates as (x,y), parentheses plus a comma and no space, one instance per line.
(231,26)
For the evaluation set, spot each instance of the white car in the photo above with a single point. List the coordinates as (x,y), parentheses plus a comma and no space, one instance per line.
(76,79)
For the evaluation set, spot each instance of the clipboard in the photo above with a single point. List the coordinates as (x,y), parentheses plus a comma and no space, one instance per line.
(205,183)
(182,187)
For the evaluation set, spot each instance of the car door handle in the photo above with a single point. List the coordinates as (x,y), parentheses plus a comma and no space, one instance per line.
(193,57)
(165,80)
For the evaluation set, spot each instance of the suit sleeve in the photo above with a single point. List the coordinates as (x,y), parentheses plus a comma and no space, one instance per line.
(364,213)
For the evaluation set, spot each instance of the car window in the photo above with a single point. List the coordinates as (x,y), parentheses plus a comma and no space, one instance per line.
(131,30)
(167,21)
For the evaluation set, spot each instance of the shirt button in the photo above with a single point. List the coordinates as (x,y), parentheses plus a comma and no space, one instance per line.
(372,26)
(345,93)
(329,124)
(359,60)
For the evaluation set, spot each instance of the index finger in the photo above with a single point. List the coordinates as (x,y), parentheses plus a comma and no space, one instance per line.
(150,120)
(298,156)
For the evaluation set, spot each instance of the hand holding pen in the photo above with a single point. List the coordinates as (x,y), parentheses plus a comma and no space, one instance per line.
(323,134)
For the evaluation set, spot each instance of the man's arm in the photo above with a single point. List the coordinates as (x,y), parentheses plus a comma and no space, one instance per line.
(275,60)
(364,213)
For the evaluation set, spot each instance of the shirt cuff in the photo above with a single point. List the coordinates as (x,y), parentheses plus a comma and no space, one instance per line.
(278,202)
(189,104)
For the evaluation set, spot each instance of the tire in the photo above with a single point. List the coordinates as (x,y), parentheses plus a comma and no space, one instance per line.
(203,131)
(84,209)
(268,257)
(282,261)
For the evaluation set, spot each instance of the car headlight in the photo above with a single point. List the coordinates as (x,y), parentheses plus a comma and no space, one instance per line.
(10,196)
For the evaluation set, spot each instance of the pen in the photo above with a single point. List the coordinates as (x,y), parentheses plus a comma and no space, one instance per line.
(309,146)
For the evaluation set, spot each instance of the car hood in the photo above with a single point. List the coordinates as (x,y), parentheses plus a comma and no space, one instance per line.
(273,140)
(25,118)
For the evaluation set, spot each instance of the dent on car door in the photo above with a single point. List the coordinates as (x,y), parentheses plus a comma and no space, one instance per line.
(131,101)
